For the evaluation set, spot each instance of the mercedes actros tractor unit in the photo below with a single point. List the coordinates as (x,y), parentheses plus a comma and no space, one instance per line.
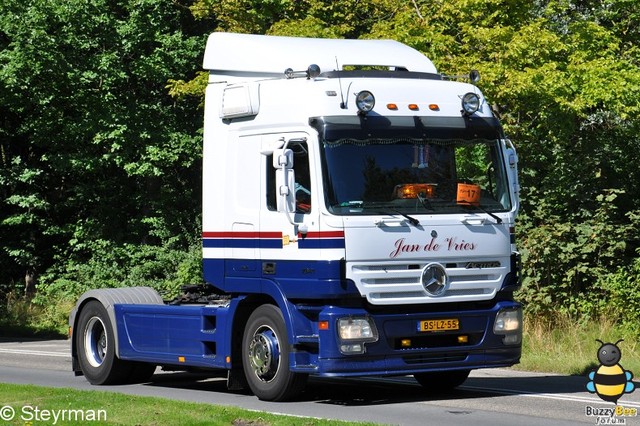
(358,219)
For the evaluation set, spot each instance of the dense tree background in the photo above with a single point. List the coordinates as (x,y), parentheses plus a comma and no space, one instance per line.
(100,132)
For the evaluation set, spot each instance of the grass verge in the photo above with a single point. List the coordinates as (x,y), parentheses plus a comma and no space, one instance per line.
(20,317)
(71,407)
(564,346)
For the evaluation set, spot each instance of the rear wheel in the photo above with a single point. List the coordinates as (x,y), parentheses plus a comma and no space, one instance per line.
(95,343)
(96,347)
(265,356)
(442,380)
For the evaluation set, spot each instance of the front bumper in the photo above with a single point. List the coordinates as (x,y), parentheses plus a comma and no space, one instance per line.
(402,349)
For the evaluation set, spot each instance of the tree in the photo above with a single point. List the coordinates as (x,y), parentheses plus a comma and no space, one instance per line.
(562,75)
(95,153)
(92,147)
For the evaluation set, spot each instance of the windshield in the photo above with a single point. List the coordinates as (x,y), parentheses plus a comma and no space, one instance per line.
(413,175)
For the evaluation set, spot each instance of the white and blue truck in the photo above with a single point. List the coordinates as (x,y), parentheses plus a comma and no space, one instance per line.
(358,216)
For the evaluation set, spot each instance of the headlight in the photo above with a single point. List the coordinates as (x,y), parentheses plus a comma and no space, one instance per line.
(356,329)
(509,324)
(470,103)
(365,101)
(354,333)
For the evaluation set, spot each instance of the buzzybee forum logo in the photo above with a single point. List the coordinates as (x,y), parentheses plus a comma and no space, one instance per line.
(610,381)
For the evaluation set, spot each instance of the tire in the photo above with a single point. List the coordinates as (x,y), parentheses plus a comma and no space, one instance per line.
(95,345)
(265,356)
(442,380)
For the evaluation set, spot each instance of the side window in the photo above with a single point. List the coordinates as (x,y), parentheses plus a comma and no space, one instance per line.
(271,184)
(302,179)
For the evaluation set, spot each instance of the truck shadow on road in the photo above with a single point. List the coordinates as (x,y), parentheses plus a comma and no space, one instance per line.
(396,390)
(352,392)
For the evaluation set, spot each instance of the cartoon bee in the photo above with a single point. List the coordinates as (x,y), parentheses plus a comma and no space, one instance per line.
(610,381)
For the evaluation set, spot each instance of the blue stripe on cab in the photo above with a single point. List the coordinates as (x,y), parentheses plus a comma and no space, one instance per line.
(321,243)
(241,243)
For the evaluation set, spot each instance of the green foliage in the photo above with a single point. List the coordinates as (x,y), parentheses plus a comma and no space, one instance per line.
(20,317)
(181,89)
(621,295)
(164,268)
(311,18)
(569,265)
(557,344)
(93,147)
(100,131)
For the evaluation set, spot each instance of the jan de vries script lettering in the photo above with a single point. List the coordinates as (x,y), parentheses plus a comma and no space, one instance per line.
(449,244)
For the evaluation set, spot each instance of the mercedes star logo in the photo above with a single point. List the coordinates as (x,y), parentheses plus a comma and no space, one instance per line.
(434,279)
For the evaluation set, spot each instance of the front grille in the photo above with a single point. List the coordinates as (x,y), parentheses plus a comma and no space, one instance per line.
(400,282)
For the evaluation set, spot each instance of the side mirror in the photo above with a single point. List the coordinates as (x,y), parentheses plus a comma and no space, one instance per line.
(512,160)
(285,180)
(282,159)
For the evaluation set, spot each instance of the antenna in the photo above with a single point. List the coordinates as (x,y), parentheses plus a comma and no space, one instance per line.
(342,104)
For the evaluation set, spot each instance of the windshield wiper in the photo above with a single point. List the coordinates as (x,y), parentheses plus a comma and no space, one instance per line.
(425,202)
(415,222)
(478,207)
(361,204)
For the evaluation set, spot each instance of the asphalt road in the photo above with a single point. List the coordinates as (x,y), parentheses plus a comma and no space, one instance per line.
(488,397)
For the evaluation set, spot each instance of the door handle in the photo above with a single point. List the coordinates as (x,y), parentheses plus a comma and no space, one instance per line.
(473,220)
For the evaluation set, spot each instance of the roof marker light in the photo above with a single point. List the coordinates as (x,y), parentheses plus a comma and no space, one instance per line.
(434,107)
(414,107)
(392,107)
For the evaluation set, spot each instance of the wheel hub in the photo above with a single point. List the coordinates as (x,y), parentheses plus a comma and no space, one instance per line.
(95,343)
(264,354)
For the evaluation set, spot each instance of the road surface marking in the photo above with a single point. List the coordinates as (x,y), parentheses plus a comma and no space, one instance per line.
(34,352)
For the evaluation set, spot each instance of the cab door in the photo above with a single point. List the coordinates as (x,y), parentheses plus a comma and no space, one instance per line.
(289,224)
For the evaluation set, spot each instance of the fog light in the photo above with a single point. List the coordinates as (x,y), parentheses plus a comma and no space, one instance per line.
(512,339)
(357,348)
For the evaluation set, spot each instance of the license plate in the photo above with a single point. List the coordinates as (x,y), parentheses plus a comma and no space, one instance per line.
(439,325)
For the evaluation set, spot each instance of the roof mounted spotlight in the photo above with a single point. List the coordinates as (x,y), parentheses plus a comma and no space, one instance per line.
(474,76)
(312,71)
(470,103)
(365,101)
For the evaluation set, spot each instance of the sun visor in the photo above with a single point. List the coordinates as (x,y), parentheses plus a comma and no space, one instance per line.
(343,128)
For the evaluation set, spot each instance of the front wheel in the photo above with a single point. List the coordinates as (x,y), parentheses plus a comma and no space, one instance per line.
(265,356)
(442,380)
